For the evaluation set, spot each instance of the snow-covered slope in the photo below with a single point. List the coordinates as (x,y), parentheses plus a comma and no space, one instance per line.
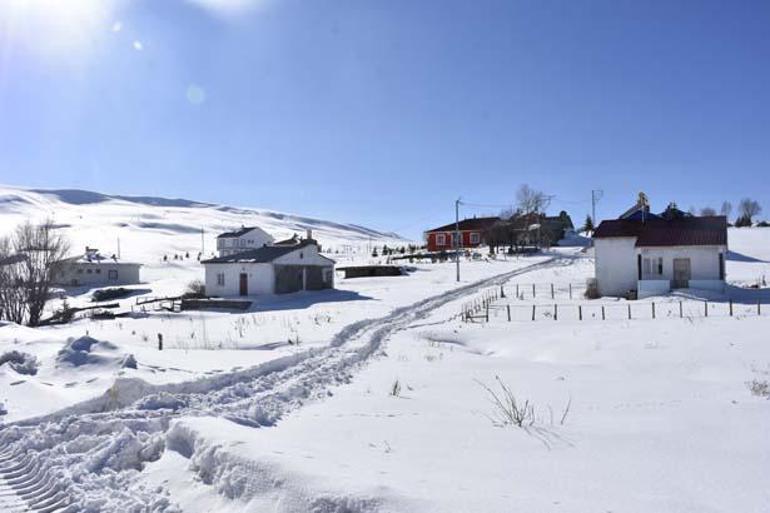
(149,227)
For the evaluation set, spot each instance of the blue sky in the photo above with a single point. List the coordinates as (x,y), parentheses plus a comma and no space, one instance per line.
(383,112)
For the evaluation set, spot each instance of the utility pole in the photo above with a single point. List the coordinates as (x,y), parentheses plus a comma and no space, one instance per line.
(596,195)
(457,242)
(118,247)
(203,244)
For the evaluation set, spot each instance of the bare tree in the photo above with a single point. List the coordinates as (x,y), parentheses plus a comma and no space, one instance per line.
(727,209)
(31,257)
(748,208)
(531,201)
(708,211)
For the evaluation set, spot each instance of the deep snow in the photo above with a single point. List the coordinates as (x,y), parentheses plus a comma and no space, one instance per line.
(371,397)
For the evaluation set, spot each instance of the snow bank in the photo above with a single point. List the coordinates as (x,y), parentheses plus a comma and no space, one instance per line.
(263,482)
(22,363)
(81,351)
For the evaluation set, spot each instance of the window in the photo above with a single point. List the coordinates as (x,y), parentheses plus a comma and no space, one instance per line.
(721,266)
(112,275)
(647,267)
(221,279)
(90,271)
(440,239)
(660,266)
(98,271)
(80,271)
(475,238)
(455,240)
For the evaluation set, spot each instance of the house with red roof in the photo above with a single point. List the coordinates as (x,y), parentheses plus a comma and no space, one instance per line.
(651,254)
(473,232)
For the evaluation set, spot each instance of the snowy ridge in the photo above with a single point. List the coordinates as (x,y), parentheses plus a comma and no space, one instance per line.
(90,462)
(150,227)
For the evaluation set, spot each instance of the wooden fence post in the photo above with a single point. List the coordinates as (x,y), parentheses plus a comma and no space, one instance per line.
(555,312)
(552,294)
(508,307)
(759,307)
(603,317)
(706,305)
(502,291)
(570,291)
(629,311)
(517,290)
(487,312)
(681,311)
(653,309)
(731,307)
(533,312)
(580,312)
(533,290)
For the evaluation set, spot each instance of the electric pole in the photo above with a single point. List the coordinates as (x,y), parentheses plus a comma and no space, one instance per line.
(203,244)
(457,243)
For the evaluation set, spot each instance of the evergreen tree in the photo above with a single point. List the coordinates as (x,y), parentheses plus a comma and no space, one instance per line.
(589,225)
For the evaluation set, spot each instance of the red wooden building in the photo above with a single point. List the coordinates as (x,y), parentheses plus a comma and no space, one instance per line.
(472,234)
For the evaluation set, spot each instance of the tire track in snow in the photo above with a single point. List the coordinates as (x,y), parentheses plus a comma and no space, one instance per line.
(86,458)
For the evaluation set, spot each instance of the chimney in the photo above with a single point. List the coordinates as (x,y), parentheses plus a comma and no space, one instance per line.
(309,234)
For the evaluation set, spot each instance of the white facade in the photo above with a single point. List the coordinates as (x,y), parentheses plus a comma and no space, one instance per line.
(245,241)
(97,274)
(240,278)
(622,267)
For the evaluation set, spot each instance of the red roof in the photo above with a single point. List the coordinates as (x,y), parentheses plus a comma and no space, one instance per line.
(685,231)
(474,223)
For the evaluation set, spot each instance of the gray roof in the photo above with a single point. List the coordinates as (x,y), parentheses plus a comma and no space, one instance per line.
(261,255)
(238,233)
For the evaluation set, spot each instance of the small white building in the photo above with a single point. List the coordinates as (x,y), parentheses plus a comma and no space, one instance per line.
(96,270)
(652,254)
(273,269)
(245,239)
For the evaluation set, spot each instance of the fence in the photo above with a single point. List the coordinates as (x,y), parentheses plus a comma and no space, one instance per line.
(547,290)
(487,308)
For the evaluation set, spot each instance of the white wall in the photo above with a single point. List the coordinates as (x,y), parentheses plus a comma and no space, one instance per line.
(97,274)
(615,265)
(704,261)
(254,239)
(261,279)
(307,255)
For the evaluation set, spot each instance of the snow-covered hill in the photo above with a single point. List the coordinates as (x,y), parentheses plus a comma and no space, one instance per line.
(149,227)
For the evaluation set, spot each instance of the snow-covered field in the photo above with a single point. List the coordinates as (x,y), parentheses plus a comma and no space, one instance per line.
(376,397)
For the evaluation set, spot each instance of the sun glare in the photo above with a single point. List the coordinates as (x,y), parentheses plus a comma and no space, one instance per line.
(53,26)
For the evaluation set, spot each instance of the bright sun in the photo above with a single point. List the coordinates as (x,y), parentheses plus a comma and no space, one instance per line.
(53,26)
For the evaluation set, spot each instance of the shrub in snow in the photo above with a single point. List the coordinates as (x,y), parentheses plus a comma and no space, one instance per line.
(195,289)
(507,410)
(22,363)
(3,410)
(759,388)
(109,294)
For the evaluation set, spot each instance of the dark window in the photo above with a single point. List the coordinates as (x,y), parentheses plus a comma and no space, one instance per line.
(98,271)
(90,271)
(112,275)
(721,266)
(639,265)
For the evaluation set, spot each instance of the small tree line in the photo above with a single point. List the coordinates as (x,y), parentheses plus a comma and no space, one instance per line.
(29,258)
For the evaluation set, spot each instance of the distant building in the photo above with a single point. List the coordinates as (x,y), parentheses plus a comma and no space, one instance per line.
(473,233)
(271,269)
(245,239)
(96,270)
(652,254)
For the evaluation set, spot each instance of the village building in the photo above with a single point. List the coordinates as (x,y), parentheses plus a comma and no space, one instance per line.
(473,233)
(95,270)
(649,254)
(270,269)
(245,239)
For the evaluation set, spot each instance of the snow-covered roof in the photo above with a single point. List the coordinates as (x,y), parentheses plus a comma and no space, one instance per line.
(92,256)
(263,255)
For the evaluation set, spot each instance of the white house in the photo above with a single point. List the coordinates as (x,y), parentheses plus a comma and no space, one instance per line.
(652,254)
(245,239)
(94,269)
(274,269)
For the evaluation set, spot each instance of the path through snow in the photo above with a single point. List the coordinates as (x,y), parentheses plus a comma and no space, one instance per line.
(87,458)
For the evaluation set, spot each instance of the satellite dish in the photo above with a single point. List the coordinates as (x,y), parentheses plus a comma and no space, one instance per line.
(533,227)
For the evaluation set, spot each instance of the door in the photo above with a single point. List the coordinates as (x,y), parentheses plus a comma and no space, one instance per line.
(681,273)
(244,284)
